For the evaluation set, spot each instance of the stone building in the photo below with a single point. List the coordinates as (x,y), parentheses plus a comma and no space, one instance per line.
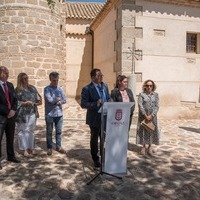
(32,40)
(143,39)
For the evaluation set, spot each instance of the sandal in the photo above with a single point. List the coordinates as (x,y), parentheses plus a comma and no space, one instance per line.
(150,151)
(33,152)
(143,151)
(26,154)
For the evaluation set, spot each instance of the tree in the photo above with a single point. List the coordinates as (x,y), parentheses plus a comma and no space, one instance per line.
(51,4)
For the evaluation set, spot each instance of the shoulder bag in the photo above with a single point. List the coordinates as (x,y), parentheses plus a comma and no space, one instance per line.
(148,125)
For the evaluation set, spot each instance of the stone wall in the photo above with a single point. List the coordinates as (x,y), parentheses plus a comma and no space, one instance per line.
(32,40)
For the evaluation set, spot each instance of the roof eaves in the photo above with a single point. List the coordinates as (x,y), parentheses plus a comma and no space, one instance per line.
(82,10)
(102,14)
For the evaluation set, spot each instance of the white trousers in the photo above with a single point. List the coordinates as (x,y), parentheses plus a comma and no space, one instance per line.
(26,137)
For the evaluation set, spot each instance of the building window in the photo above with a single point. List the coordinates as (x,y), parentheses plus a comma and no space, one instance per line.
(159,32)
(191,43)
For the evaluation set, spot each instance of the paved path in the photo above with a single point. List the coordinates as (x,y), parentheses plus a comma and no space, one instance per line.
(174,173)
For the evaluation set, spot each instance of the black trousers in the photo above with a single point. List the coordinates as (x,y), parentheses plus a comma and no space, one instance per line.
(95,135)
(7,126)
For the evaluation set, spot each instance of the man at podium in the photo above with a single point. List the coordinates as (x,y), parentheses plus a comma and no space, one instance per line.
(93,96)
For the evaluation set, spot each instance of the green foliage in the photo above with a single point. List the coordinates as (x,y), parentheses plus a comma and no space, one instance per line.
(51,4)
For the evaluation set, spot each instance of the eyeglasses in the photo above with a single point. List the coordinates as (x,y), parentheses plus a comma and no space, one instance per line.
(54,80)
(149,85)
(99,75)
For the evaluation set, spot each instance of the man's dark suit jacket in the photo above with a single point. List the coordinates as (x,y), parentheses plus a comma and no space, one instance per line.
(117,97)
(3,102)
(89,98)
(7,125)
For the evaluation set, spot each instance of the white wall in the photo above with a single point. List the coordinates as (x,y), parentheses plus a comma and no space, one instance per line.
(165,60)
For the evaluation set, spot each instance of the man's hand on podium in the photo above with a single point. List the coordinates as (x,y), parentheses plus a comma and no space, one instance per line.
(99,102)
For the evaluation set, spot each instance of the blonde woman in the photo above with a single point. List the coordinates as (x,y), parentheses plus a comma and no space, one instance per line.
(148,102)
(28,100)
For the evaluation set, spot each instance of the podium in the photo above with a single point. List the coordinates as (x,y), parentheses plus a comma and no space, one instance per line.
(116,136)
(115,118)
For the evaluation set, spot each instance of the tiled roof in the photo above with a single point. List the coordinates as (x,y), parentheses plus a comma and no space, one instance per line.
(80,10)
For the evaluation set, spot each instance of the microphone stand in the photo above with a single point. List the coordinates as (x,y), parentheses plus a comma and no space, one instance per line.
(102,149)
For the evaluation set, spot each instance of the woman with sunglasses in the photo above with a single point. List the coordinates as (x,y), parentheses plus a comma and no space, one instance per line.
(28,100)
(148,102)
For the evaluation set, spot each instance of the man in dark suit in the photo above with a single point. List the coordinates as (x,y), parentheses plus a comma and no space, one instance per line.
(8,106)
(92,98)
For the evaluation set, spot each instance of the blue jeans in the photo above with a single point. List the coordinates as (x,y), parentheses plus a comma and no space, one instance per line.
(50,121)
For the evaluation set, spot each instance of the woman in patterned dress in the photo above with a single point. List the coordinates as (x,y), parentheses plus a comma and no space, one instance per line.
(148,102)
(28,99)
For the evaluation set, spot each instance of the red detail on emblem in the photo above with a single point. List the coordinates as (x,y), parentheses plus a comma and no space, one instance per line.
(118,114)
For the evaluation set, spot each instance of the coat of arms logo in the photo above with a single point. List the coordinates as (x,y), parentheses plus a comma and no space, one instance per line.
(118,114)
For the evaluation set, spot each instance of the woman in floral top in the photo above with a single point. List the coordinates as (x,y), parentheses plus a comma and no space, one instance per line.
(28,99)
(148,102)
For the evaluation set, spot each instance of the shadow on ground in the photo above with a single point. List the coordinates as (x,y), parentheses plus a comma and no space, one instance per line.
(173,173)
(196,130)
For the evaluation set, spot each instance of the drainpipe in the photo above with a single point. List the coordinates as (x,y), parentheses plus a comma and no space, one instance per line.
(91,32)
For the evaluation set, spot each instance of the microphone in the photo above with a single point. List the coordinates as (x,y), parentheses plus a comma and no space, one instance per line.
(101,86)
(102,93)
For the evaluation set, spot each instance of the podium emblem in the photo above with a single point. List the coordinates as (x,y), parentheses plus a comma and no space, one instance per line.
(118,114)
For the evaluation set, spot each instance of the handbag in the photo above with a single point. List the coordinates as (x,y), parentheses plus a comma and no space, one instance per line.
(148,125)
(39,100)
(36,111)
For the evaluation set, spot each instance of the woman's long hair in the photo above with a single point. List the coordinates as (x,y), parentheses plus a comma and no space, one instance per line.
(19,80)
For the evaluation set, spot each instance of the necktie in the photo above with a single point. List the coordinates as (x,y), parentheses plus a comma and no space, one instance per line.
(101,92)
(7,95)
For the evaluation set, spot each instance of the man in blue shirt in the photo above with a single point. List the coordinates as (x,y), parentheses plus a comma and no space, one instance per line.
(54,98)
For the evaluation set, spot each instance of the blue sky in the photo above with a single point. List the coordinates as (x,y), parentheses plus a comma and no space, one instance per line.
(87,0)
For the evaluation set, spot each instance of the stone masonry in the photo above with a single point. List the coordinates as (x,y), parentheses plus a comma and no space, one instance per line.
(32,40)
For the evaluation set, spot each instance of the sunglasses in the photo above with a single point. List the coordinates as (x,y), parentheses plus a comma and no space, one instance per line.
(149,85)
(24,78)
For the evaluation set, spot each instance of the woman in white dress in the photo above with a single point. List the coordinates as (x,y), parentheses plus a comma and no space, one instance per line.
(28,100)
